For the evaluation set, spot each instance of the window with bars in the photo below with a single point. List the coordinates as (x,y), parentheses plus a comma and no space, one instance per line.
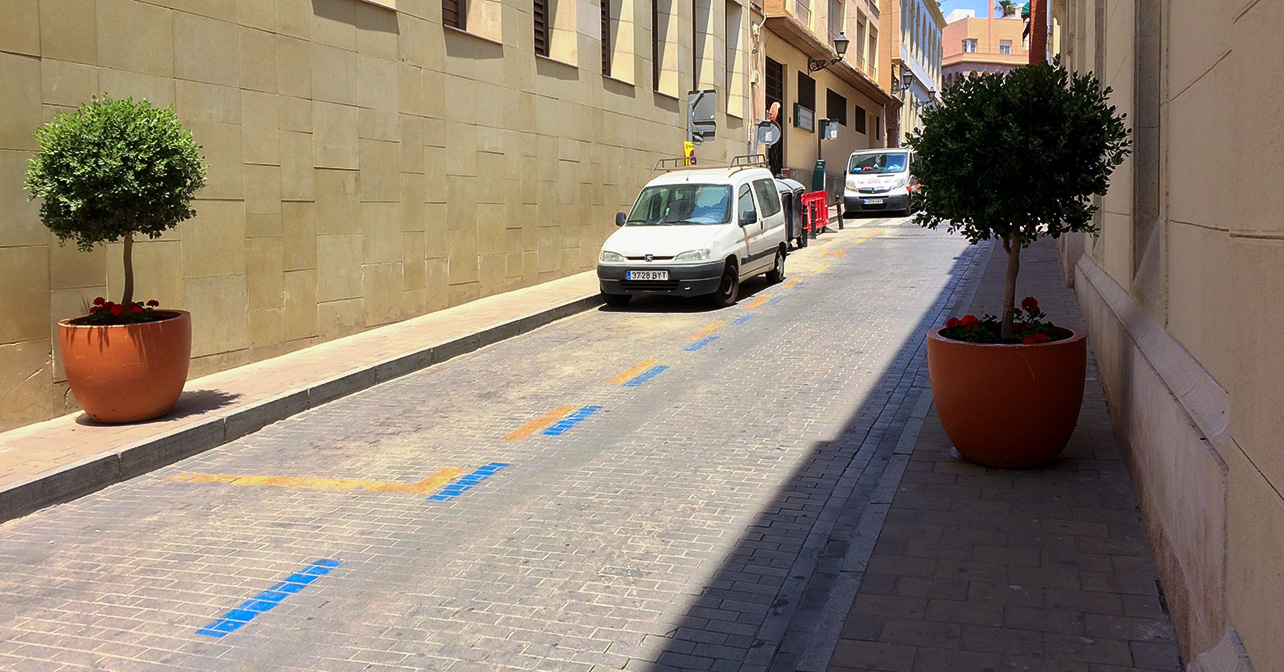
(539,14)
(606,37)
(1005,46)
(835,107)
(858,119)
(452,13)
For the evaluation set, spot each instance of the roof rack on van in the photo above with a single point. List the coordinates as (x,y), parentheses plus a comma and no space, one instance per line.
(687,163)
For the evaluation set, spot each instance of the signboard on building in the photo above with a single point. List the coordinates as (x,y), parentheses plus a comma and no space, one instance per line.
(804,118)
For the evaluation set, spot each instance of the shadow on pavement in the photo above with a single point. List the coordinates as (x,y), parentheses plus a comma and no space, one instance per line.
(780,597)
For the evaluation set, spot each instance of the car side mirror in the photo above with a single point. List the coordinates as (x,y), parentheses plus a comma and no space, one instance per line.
(619,218)
(748,217)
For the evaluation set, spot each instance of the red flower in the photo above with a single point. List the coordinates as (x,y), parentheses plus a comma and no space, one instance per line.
(1029,304)
(1041,337)
(969,320)
(1029,340)
(99,301)
(136,309)
(951,323)
(117,310)
(94,309)
(153,303)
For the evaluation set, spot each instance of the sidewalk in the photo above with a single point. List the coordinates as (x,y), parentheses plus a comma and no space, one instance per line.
(989,569)
(66,457)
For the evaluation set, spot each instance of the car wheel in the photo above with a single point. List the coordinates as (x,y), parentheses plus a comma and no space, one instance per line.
(777,272)
(729,290)
(617,300)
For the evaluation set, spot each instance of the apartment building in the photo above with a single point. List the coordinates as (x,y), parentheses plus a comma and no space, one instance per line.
(972,45)
(369,160)
(914,56)
(1180,290)
(799,37)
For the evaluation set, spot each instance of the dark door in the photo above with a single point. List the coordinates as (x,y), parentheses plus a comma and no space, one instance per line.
(776,94)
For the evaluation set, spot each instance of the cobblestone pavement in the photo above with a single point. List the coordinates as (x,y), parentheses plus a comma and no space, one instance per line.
(994,569)
(700,516)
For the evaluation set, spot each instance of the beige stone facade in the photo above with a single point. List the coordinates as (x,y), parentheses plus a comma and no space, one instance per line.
(796,31)
(366,164)
(913,53)
(1181,290)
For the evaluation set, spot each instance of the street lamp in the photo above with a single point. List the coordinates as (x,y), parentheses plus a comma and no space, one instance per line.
(840,48)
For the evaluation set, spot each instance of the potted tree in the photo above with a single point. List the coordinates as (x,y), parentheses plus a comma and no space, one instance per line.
(114,171)
(1011,158)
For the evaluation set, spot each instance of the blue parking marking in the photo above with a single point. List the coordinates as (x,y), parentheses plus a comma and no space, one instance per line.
(775,301)
(466,483)
(744,318)
(266,600)
(558,428)
(645,376)
(701,343)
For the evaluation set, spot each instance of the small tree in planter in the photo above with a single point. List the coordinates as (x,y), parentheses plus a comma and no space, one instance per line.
(1013,157)
(114,170)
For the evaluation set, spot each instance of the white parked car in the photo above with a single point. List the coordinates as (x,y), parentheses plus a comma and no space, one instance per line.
(696,232)
(878,180)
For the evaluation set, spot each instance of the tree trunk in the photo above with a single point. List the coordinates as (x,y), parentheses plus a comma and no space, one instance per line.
(128,300)
(1011,245)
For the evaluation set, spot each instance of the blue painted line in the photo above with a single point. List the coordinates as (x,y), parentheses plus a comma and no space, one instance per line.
(645,376)
(558,428)
(266,600)
(775,300)
(744,318)
(701,343)
(466,483)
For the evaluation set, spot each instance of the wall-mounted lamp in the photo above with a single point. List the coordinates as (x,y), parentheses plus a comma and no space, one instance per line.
(840,48)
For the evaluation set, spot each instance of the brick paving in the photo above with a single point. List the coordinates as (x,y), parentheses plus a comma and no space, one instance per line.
(984,569)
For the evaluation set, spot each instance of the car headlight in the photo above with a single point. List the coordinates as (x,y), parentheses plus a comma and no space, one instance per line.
(611,257)
(899,183)
(693,255)
(851,184)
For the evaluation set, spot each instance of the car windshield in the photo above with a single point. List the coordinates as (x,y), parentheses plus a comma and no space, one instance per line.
(877,164)
(682,204)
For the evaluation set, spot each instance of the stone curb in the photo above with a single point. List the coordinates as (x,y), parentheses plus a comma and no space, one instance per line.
(75,480)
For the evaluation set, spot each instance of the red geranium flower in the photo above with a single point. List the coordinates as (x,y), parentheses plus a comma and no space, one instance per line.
(117,310)
(136,309)
(1029,304)
(1042,337)
(153,303)
(1029,340)
(969,320)
(99,301)
(951,323)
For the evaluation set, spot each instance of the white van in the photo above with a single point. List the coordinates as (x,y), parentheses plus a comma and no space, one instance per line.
(696,231)
(878,180)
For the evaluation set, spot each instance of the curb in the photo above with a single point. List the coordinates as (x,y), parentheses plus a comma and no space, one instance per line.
(91,474)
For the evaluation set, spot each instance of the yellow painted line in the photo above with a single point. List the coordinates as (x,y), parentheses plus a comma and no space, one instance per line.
(838,253)
(820,268)
(539,423)
(791,283)
(423,487)
(757,302)
(707,330)
(633,372)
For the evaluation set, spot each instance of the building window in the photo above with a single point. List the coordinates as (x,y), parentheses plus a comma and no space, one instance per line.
(835,18)
(873,51)
(806,92)
(735,59)
(452,13)
(606,37)
(969,46)
(656,44)
(835,107)
(540,16)
(859,119)
(1005,46)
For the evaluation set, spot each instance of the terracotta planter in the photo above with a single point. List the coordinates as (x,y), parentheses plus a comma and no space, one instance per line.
(1008,405)
(127,372)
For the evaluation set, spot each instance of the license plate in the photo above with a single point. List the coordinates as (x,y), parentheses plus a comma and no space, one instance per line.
(646,275)
(872,201)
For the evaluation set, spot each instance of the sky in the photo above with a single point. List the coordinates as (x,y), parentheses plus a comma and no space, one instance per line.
(980,6)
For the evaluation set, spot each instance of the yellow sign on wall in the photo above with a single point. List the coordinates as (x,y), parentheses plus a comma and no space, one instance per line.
(688,151)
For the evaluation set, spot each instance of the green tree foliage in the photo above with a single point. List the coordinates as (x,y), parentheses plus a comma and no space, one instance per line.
(1017,156)
(112,170)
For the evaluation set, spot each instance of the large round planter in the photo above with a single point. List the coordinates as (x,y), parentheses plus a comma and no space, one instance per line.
(1008,405)
(127,372)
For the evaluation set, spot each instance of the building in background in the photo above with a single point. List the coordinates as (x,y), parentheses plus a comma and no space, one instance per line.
(801,32)
(369,160)
(914,57)
(975,45)
(1180,289)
